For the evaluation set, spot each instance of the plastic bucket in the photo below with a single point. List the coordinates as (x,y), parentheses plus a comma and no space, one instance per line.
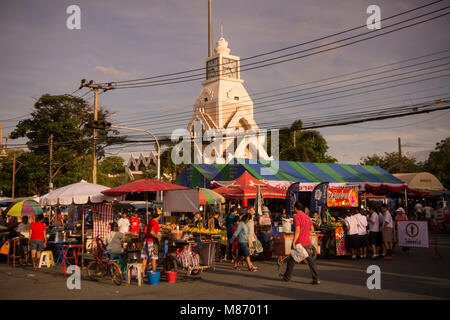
(171,276)
(153,277)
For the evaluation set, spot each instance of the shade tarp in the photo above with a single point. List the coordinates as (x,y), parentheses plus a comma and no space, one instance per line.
(181,200)
(283,173)
(76,193)
(143,185)
(246,187)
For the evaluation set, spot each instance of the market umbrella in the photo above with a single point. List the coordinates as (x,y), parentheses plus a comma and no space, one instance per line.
(24,208)
(206,196)
(143,185)
(77,193)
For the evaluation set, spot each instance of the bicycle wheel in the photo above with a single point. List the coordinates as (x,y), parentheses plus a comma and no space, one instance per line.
(116,274)
(95,271)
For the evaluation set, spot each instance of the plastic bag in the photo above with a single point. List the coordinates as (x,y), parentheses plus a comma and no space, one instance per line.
(299,254)
(258,246)
(187,258)
(5,248)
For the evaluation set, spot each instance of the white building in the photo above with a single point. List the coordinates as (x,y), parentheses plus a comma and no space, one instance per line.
(224,105)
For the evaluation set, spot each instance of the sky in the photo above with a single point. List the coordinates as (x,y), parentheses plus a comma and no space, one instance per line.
(121,40)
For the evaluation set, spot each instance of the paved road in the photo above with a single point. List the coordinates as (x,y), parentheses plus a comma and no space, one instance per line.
(417,275)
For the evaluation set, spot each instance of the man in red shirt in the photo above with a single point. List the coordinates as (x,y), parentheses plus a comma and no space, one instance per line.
(148,249)
(135,222)
(38,240)
(303,227)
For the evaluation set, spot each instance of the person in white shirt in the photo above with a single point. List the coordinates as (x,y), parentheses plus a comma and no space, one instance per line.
(352,233)
(362,234)
(374,232)
(418,208)
(387,230)
(124,223)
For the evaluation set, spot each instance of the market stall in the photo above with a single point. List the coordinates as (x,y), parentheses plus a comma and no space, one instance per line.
(191,238)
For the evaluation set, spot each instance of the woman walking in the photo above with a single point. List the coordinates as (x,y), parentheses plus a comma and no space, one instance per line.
(242,234)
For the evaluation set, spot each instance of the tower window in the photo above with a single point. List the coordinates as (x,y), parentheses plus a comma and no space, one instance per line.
(236,98)
(206,99)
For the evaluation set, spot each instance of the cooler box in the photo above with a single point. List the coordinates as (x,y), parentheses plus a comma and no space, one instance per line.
(282,244)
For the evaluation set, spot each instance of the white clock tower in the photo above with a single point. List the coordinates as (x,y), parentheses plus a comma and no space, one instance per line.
(223,103)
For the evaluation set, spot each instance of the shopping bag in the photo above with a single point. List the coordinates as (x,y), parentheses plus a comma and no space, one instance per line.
(5,248)
(299,253)
(258,246)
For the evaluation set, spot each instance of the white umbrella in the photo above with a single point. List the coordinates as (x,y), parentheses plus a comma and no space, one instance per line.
(76,193)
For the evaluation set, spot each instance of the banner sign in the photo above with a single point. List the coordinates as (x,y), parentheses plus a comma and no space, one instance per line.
(319,198)
(413,234)
(342,197)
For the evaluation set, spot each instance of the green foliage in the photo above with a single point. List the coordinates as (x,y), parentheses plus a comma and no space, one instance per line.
(64,117)
(390,162)
(310,145)
(438,162)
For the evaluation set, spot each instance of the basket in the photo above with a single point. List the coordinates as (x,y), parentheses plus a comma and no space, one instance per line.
(176,235)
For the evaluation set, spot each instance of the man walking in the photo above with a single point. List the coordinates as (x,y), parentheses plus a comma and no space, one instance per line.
(362,234)
(303,227)
(374,232)
(387,230)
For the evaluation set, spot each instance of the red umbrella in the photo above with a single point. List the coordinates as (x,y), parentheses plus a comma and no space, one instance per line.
(142,186)
(245,187)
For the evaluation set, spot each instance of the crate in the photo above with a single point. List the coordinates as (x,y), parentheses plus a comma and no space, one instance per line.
(282,244)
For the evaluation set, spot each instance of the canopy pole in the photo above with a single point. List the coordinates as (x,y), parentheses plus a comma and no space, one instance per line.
(146,206)
(406,199)
(82,237)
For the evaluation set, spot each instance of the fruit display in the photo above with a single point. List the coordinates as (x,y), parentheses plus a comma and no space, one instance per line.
(201,230)
(169,227)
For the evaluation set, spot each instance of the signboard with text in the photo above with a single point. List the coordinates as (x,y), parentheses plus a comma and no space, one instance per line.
(342,197)
(413,234)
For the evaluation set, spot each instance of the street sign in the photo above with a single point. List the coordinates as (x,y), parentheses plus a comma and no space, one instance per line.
(413,234)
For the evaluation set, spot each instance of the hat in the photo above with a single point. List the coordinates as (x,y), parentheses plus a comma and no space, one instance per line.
(400,210)
(265,210)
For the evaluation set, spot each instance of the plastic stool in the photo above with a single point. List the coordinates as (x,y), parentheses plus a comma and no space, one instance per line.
(46,259)
(138,267)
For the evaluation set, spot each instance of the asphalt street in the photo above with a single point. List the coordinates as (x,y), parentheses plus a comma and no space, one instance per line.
(420,274)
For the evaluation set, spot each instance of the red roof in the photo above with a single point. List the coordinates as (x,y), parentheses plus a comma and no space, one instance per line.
(142,186)
(246,187)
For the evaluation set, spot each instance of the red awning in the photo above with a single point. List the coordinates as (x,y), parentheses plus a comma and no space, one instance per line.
(142,186)
(245,187)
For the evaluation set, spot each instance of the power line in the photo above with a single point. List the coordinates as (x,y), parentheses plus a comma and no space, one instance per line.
(283,49)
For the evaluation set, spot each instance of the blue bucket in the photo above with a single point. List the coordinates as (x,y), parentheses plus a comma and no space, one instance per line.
(153,277)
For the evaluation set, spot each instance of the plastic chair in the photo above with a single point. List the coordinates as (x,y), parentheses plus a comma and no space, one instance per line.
(138,267)
(46,259)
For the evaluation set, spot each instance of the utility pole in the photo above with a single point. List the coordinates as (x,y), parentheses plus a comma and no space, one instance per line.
(210,37)
(50,146)
(14,173)
(2,149)
(399,155)
(95,88)
(295,134)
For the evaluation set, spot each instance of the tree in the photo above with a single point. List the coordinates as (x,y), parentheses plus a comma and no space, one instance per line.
(309,146)
(390,162)
(111,172)
(438,162)
(63,116)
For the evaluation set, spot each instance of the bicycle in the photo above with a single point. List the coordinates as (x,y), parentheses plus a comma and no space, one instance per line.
(102,266)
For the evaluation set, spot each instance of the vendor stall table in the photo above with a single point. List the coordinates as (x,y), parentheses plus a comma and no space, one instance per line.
(60,248)
(75,248)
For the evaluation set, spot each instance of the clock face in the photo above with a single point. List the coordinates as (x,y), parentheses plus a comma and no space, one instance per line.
(230,68)
(212,68)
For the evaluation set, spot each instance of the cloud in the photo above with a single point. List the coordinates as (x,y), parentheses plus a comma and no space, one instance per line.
(112,71)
